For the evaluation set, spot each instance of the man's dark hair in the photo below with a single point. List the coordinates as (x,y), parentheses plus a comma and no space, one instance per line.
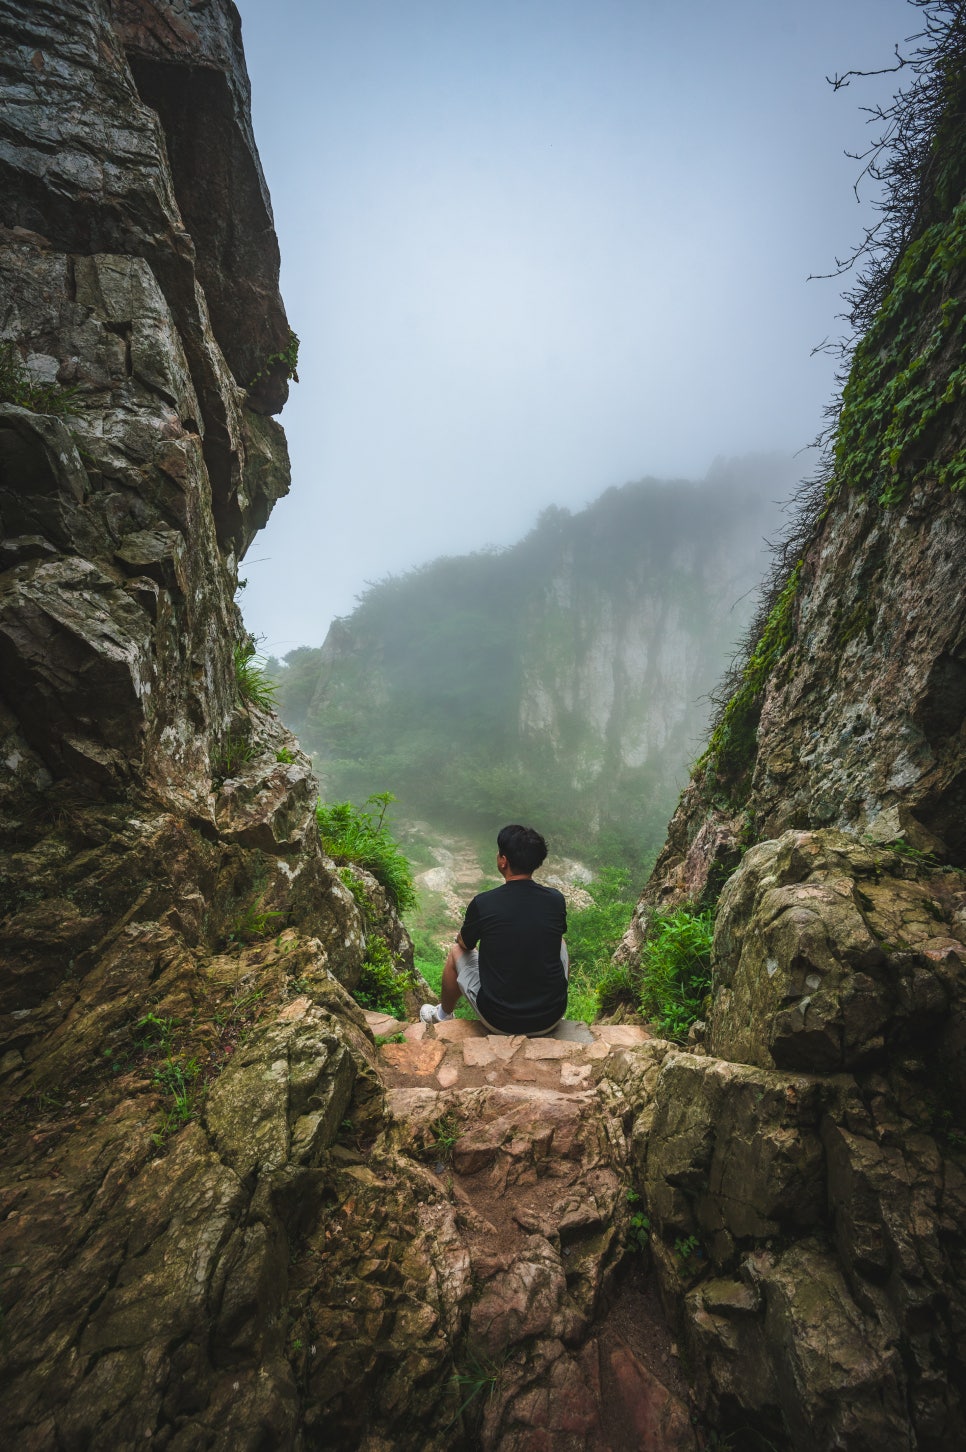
(522,847)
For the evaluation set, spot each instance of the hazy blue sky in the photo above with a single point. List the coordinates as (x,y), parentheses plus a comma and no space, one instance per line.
(534,248)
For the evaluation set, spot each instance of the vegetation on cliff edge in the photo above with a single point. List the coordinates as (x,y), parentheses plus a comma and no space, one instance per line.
(353,836)
(903,374)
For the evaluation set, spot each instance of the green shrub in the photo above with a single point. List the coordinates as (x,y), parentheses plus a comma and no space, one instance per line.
(289,355)
(251,681)
(593,933)
(674,978)
(351,836)
(357,887)
(382,986)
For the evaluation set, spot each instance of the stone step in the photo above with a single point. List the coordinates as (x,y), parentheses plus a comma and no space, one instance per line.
(462,1053)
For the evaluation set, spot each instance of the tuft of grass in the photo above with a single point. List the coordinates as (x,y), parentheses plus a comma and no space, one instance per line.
(154,1032)
(177,1080)
(445,1130)
(357,887)
(674,977)
(17,386)
(476,1380)
(240,1009)
(253,685)
(350,835)
(234,752)
(253,923)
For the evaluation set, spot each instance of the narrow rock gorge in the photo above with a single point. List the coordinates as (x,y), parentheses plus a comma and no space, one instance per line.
(236,1211)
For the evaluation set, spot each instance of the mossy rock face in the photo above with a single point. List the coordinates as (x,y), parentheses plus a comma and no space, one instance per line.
(907,384)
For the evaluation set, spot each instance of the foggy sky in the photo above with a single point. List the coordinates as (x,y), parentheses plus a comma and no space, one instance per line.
(535,248)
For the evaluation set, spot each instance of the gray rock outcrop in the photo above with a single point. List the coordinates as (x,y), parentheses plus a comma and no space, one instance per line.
(805,1176)
(164,899)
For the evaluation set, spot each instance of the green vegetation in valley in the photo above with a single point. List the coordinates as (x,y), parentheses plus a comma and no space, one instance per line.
(474,682)
(351,835)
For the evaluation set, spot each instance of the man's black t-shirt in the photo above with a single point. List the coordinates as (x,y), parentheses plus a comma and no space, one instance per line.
(523,988)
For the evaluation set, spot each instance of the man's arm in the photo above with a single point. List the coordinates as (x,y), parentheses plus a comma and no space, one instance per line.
(469,934)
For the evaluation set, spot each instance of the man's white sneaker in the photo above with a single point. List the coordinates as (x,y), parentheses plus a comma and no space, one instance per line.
(433,1013)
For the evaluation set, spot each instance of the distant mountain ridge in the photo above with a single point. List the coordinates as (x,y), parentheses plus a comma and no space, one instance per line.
(563,679)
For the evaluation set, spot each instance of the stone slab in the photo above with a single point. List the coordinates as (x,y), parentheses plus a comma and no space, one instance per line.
(493,1049)
(620,1035)
(573,1031)
(447,1075)
(455,1030)
(410,1058)
(573,1076)
(551,1049)
(297,1009)
(415,1033)
(383,1023)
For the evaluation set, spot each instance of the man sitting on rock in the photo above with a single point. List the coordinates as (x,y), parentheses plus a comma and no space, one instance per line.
(517,980)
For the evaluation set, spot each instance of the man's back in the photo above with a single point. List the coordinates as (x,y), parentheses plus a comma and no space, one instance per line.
(519,927)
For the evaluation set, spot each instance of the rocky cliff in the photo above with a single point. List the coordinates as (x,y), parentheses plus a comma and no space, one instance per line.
(813,1143)
(163,894)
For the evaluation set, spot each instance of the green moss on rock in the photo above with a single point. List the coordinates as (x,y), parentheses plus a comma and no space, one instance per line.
(730,754)
(908,375)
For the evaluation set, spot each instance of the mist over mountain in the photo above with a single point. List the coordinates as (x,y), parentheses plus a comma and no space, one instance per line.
(563,680)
